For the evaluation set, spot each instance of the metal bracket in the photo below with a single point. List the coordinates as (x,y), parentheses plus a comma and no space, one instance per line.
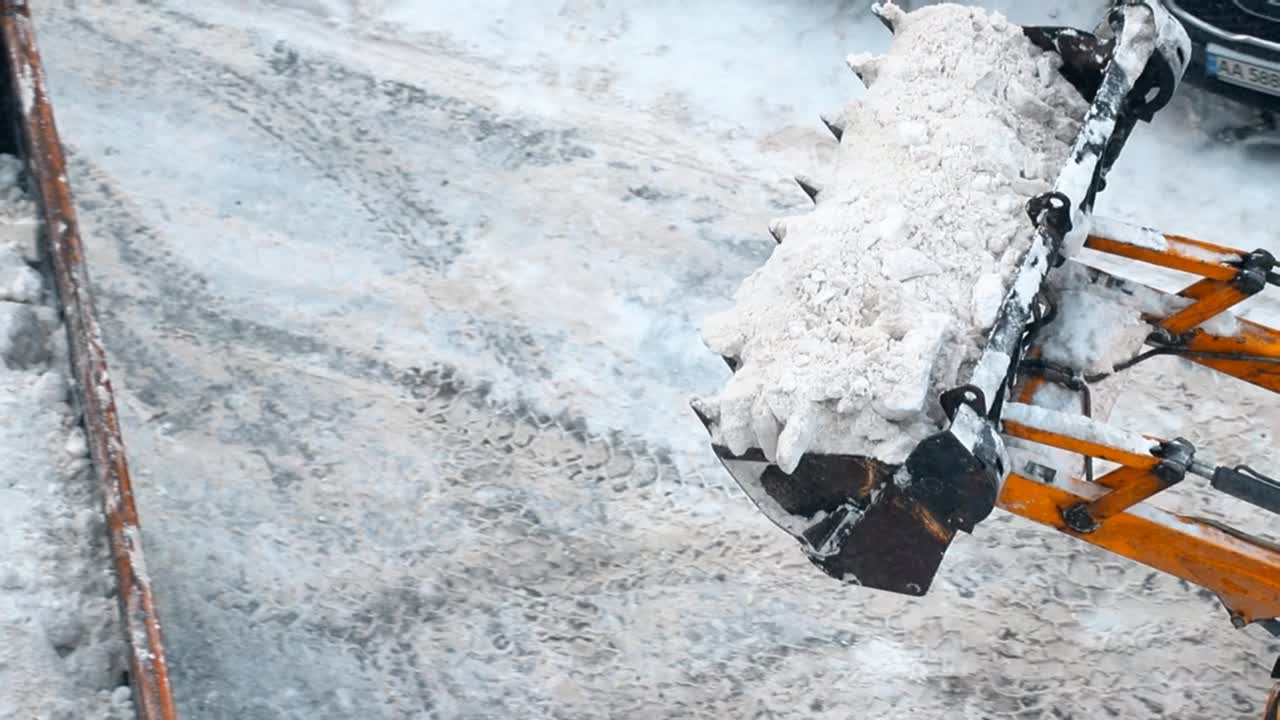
(957,486)
(1152,89)
(1051,212)
(826,539)
(1255,272)
(970,395)
(1084,55)
(1071,379)
(1176,457)
(1167,64)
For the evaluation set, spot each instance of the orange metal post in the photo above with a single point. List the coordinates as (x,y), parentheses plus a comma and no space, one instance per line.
(1216,298)
(1129,486)
(1252,354)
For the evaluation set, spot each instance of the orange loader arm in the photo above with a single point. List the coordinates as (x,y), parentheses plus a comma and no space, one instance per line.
(1111,511)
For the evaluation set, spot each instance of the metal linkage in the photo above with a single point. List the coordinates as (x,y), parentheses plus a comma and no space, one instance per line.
(1070,379)
(1111,513)
(1131,485)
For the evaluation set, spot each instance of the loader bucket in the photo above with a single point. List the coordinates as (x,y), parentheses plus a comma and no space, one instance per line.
(866,522)
(887,526)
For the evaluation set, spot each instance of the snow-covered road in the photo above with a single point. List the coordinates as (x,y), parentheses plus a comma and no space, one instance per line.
(402,302)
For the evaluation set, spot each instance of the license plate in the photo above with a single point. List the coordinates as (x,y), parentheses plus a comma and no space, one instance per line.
(1239,69)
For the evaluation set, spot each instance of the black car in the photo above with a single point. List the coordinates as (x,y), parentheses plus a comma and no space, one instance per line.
(1235,48)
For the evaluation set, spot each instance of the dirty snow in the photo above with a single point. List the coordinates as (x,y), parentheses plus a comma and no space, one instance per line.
(61,654)
(883,295)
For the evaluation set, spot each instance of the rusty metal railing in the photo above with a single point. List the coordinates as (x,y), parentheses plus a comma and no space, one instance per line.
(37,142)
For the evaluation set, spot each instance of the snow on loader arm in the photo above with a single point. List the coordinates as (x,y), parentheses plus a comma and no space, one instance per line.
(1004,417)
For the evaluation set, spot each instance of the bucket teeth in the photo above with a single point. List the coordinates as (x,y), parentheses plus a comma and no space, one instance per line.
(707,410)
(866,66)
(834,124)
(809,187)
(778,229)
(889,14)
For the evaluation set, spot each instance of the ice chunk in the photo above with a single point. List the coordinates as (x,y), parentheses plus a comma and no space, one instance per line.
(903,264)
(23,343)
(18,281)
(988,294)
(919,352)
(912,134)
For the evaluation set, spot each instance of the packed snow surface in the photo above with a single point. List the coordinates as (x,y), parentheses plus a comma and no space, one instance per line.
(882,297)
(60,644)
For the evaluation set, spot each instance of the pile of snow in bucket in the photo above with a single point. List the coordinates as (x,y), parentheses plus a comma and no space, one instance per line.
(881,298)
(61,653)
